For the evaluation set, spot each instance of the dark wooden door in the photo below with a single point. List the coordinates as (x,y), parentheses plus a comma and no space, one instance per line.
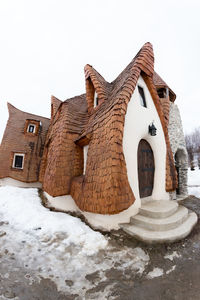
(146,169)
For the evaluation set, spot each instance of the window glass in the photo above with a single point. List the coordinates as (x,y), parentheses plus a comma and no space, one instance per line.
(96,100)
(18,161)
(31,128)
(142,96)
(162,93)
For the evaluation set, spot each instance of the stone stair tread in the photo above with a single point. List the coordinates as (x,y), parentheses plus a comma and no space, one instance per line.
(151,223)
(150,236)
(158,209)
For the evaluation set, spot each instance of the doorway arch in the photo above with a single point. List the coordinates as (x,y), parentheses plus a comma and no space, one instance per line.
(146,169)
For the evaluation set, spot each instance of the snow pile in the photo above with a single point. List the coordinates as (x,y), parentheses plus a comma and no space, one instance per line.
(157,272)
(194,182)
(23,210)
(58,246)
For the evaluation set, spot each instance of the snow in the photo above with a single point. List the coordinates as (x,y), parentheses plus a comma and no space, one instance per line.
(157,272)
(194,177)
(59,246)
(171,270)
(172,256)
(23,210)
(194,182)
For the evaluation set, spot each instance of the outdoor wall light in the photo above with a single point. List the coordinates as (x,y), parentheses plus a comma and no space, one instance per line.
(152,129)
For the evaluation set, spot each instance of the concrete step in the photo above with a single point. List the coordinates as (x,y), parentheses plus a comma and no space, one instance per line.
(167,223)
(168,236)
(158,209)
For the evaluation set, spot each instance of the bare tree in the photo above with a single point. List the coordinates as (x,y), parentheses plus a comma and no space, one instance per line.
(190,150)
(193,148)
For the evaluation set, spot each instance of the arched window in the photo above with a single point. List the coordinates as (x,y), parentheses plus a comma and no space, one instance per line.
(91,95)
(85,153)
(96,100)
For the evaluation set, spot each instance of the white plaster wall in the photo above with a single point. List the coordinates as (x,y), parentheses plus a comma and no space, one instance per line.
(104,222)
(85,153)
(13,182)
(109,222)
(137,121)
(65,203)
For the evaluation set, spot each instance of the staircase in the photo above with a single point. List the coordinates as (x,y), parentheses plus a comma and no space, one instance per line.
(161,222)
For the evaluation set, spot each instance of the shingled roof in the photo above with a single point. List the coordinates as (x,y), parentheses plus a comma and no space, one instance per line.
(122,87)
(159,83)
(62,159)
(105,187)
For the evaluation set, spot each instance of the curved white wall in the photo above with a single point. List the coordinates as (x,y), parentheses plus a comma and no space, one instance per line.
(137,121)
(104,222)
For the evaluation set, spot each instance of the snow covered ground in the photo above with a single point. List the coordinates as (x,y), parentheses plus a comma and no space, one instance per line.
(58,246)
(194,182)
(62,248)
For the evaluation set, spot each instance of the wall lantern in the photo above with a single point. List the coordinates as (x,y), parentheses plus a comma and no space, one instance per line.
(152,129)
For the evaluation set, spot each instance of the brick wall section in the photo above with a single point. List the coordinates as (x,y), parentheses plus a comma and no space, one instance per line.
(16,139)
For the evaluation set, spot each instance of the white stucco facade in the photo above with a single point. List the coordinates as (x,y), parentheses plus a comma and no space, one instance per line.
(104,222)
(137,121)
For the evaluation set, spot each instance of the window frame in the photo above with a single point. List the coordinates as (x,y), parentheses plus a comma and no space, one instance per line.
(13,164)
(32,122)
(85,157)
(143,101)
(34,128)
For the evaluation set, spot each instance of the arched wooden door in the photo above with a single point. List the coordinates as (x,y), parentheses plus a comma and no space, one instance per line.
(146,169)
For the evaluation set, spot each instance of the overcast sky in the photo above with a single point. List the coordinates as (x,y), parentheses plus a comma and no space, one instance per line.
(45,45)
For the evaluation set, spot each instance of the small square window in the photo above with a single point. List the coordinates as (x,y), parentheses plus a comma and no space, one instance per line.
(18,161)
(31,128)
(142,96)
(162,93)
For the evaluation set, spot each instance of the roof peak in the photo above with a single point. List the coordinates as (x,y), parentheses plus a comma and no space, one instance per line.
(159,83)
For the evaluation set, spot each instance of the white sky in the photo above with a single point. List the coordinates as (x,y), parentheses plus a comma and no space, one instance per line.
(45,44)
